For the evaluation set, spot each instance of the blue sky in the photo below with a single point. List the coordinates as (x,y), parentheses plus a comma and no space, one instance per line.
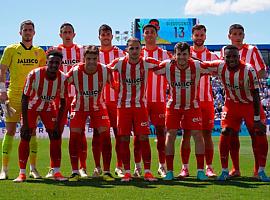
(88,15)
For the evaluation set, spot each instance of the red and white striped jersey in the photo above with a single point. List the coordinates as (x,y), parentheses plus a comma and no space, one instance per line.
(42,92)
(157,85)
(107,57)
(183,83)
(88,87)
(71,56)
(133,80)
(250,54)
(237,84)
(205,92)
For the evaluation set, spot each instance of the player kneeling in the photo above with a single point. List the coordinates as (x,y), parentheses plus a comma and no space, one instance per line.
(41,88)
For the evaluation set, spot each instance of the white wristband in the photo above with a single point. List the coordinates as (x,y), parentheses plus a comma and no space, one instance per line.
(3,87)
(257,118)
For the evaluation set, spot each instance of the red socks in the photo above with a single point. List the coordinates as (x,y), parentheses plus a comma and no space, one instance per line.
(55,152)
(119,162)
(234,150)
(96,148)
(262,145)
(106,149)
(200,161)
(161,147)
(224,148)
(74,149)
(125,154)
(185,153)
(146,153)
(23,153)
(137,149)
(169,162)
(209,154)
(83,153)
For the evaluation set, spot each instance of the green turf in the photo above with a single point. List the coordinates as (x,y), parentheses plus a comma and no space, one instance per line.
(241,188)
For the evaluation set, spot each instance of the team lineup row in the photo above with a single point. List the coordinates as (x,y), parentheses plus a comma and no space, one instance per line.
(126,90)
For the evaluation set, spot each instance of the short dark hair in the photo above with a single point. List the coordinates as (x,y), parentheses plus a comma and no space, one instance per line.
(198,27)
(236,26)
(133,39)
(154,20)
(66,24)
(230,47)
(91,49)
(55,52)
(150,26)
(104,27)
(182,46)
(27,22)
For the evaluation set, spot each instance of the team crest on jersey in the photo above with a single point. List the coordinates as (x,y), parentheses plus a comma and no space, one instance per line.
(36,53)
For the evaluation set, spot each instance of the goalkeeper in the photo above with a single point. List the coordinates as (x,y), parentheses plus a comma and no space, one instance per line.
(19,59)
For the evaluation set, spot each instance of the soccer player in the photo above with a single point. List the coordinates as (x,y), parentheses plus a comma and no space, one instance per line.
(72,54)
(43,85)
(249,54)
(198,50)
(183,111)
(107,53)
(19,59)
(131,108)
(156,100)
(89,79)
(242,102)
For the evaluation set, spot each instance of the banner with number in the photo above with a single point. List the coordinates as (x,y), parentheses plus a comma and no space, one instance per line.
(169,30)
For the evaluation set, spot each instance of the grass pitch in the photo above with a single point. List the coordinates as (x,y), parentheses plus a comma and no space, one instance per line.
(189,188)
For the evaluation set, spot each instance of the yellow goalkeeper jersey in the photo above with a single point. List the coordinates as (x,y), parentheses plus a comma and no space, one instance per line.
(20,61)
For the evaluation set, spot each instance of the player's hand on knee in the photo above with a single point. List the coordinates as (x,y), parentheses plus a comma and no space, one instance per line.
(259,128)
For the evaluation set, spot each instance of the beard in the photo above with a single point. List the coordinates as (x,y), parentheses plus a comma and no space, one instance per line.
(199,43)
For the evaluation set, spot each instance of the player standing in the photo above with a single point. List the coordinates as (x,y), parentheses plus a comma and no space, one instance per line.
(89,79)
(183,111)
(242,102)
(43,85)
(198,50)
(131,109)
(19,59)
(249,54)
(107,53)
(72,54)
(156,99)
